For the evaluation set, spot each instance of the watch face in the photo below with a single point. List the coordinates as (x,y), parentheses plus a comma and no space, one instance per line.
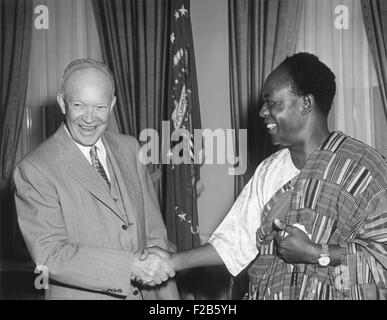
(324,261)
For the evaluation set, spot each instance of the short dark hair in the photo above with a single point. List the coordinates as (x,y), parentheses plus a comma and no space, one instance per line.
(311,76)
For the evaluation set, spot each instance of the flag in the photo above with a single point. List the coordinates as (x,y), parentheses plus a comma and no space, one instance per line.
(180,205)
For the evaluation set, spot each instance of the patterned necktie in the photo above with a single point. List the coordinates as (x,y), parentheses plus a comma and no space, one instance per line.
(97,164)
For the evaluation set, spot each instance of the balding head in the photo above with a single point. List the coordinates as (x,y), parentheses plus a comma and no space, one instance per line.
(76,67)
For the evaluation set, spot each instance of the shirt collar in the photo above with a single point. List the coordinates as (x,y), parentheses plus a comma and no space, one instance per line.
(86,149)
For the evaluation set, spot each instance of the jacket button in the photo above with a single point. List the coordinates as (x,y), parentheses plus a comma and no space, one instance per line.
(135,292)
(125,227)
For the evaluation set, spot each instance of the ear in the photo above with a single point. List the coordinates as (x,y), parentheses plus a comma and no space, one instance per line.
(61,102)
(113,103)
(307,104)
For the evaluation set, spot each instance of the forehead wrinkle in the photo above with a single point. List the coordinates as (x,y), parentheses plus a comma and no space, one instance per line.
(78,73)
(77,79)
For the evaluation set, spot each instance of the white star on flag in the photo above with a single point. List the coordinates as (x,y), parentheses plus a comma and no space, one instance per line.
(183,10)
(176,15)
(182,216)
(173,37)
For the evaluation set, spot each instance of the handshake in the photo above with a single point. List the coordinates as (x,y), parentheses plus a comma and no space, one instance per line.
(153,266)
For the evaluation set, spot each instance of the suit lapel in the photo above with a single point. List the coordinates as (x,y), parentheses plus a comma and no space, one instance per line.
(76,165)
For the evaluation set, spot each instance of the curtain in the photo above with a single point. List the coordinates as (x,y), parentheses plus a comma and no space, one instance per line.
(346,52)
(261,34)
(134,39)
(15,48)
(375,20)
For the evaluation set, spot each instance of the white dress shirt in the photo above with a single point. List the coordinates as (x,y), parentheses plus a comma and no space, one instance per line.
(101,152)
(235,239)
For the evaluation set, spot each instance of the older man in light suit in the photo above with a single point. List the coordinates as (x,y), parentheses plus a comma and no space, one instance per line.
(86,205)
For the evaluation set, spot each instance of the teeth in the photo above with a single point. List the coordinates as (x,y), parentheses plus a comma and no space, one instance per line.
(271,125)
(87,128)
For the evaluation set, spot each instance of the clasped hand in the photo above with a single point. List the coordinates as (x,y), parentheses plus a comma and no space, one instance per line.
(295,246)
(152,267)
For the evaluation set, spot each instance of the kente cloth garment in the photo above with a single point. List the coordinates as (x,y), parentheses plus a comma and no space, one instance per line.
(97,165)
(340,197)
(234,239)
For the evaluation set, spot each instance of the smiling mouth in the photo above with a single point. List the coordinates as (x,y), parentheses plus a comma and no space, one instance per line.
(88,129)
(271,126)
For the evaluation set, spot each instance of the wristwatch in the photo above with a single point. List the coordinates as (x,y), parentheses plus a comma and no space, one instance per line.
(324,258)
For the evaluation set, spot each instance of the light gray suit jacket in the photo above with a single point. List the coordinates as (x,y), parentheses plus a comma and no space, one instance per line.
(72,225)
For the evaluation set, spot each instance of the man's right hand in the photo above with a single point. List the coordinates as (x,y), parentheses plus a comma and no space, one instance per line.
(153,267)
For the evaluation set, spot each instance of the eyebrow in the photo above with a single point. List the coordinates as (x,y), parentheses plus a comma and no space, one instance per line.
(75,101)
(97,104)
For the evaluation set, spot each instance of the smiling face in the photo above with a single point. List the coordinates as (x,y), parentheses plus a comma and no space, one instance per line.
(87,103)
(282,110)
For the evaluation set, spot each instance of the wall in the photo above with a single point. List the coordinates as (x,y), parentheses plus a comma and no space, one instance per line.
(210,35)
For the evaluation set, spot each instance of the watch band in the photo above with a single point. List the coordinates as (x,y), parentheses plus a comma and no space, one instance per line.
(325,250)
(324,258)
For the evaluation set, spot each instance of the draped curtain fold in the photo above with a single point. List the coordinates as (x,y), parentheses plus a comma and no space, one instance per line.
(134,42)
(346,51)
(261,34)
(15,48)
(375,21)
